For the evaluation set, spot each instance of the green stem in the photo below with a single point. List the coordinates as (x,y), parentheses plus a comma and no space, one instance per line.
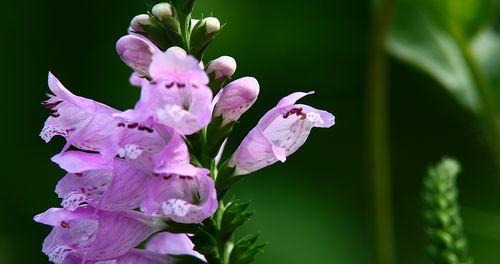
(377,127)
(491,125)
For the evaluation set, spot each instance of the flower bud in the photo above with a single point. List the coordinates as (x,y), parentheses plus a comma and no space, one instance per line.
(180,52)
(212,24)
(136,22)
(162,10)
(224,66)
(236,98)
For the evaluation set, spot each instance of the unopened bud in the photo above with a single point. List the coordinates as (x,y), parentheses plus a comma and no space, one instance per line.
(236,98)
(180,52)
(224,66)
(136,22)
(136,51)
(162,10)
(212,24)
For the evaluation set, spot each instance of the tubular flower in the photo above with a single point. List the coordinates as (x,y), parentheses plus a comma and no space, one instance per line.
(236,98)
(279,133)
(177,97)
(94,235)
(84,123)
(147,185)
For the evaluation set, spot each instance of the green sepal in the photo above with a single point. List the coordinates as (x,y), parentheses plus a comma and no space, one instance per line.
(235,215)
(246,249)
(200,39)
(184,6)
(216,84)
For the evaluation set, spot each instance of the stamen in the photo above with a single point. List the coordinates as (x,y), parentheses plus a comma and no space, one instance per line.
(169,85)
(64,224)
(120,125)
(133,125)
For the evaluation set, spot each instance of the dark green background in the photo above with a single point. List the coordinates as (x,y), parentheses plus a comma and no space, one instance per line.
(316,208)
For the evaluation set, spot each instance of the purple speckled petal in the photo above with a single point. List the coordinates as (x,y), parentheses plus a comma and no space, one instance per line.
(83,122)
(92,234)
(120,188)
(184,199)
(279,133)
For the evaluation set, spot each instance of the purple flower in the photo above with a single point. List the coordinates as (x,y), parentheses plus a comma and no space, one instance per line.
(224,66)
(236,98)
(179,191)
(279,133)
(137,52)
(177,97)
(175,244)
(84,123)
(182,198)
(93,235)
(112,185)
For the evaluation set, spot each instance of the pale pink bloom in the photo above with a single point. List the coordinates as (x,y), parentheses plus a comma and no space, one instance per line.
(279,133)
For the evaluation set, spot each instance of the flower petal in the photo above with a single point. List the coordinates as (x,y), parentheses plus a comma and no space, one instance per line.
(184,199)
(174,244)
(136,51)
(79,161)
(83,122)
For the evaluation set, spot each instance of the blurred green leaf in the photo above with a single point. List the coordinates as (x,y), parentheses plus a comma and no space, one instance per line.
(486,49)
(463,17)
(432,35)
(418,39)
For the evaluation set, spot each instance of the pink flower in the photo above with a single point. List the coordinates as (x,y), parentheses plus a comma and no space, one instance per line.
(93,235)
(137,52)
(224,66)
(236,98)
(179,191)
(175,244)
(177,97)
(113,185)
(279,133)
(84,123)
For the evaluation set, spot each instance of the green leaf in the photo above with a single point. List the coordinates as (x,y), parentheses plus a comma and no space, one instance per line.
(246,249)
(463,17)
(235,215)
(419,40)
(486,49)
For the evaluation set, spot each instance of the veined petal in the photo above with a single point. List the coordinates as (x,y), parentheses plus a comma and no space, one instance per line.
(117,189)
(173,67)
(83,122)
(256,151)
(174,244)
(174,153)
(79,161)
(136,51)
(184,199)
(279,133)
(118,233)
(89,234)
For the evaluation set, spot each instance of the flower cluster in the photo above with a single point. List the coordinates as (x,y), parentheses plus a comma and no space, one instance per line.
(130,173)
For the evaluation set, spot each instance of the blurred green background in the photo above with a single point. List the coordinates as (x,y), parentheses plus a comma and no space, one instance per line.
(316,208)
